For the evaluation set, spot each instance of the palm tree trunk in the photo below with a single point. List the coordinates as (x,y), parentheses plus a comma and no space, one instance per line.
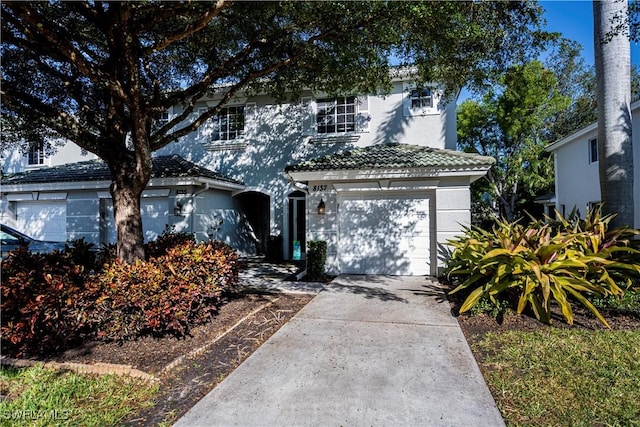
(612,60)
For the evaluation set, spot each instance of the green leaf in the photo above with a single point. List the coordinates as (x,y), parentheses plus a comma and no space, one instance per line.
(590,306)
(470,281)
(472,299)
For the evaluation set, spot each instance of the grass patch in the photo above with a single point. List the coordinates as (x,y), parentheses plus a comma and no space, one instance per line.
(42,397)
(564,377)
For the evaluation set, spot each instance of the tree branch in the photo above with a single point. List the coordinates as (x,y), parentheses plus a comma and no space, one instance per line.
(190,29)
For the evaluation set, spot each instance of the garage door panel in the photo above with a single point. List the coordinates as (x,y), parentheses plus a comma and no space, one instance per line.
(155,217)
(43,220)
(384,234)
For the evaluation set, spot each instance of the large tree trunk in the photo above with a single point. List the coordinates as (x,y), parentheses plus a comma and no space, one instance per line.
(129,179)
(128,220)
(612,59)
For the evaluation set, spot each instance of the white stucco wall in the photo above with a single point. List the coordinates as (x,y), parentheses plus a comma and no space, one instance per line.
(453,213)
(14,161)
(275,136)
(577,180)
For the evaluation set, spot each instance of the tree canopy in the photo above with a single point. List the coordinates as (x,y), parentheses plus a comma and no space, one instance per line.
(510,124)
(100,74)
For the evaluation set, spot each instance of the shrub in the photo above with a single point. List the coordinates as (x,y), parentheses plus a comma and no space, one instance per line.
(106,255)
(47,303)
(167,294)
(82,253)
(570,259)
(316,259)
(51,302)
(167,240)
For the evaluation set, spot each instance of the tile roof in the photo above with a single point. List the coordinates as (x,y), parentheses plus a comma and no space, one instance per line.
(393,156)
(172,166)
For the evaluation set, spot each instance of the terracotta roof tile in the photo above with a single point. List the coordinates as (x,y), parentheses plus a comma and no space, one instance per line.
(392,156)
(172,166)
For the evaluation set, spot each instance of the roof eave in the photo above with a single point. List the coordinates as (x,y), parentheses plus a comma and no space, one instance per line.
(104,184)
(582,132)
(474,172)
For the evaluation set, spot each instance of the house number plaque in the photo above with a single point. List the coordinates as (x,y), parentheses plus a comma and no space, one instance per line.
(319,188)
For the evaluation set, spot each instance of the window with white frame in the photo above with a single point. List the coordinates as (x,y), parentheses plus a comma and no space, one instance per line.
(336,115)
(164,118)
(421,97)
(35,156)
(227,125)
(593,150)
(419,100)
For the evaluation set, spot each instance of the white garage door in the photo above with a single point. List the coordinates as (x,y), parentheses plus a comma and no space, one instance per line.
(43,220)
(155,217)
(384,234)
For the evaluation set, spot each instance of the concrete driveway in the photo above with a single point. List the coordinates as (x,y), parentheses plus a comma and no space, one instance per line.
(366,351)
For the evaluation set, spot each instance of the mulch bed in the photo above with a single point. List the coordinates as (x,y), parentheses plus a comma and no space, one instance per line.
(475,327)
(188,368)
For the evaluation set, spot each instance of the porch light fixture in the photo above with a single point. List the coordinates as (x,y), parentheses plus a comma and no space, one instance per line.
(177,210)
(321,207)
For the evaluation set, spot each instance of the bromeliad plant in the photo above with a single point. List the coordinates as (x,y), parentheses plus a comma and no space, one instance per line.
(566,260)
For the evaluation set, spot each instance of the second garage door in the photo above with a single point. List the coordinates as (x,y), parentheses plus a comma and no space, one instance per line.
(43,220)
(155,217)
(384,234)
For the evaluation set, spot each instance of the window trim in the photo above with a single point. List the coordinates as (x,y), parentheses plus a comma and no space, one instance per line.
(42,158)
(591,152)
(338,103)
(409,89)
(415,97)
(210,130)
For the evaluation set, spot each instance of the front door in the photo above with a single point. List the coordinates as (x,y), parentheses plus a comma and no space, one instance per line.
(297,225)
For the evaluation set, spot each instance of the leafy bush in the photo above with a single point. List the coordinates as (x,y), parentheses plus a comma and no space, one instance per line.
(496,308)
(570,259)
(316,259)
(167,294)
(47,303)
(82,253)
(51,302)
(106,255)
(168,239)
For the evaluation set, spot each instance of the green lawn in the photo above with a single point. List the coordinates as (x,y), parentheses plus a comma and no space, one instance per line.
(560,377)
(43,397)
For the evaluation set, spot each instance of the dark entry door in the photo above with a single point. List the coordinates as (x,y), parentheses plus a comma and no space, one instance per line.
(297,225)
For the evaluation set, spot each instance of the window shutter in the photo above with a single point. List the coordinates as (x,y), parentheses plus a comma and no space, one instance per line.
(250,118)
(205,130)
(406,98)
(308,116)
(363,118)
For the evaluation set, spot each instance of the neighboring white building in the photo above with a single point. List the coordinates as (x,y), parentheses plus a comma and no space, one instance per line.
(236,189)
(577,182)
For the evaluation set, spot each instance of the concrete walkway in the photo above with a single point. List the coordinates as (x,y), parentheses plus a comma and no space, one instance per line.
(366,351)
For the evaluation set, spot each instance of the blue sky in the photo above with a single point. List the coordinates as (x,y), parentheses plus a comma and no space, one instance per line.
(574,19)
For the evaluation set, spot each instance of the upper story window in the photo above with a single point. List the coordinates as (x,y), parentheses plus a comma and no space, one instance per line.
(35,156)
(593,150)
(228,124)
(421,98)
(164,118)
(336,115)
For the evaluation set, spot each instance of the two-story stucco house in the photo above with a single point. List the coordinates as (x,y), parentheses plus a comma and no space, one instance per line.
(375,176)
(577,182)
